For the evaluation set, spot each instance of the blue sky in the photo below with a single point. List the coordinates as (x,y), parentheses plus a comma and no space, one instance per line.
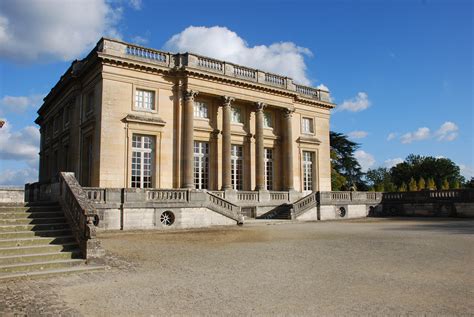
(401,72)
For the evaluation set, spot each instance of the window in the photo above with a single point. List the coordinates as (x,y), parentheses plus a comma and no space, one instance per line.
(236,116)
(56,124)
(201,165)
(307,171)
(90,101)
(267,120)
(236,173)
(269,169)
(144,99)
(142,150)
(200,110)
(307,125)
(66,116)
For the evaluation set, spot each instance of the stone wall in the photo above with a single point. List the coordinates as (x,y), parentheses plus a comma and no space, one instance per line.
(12,195)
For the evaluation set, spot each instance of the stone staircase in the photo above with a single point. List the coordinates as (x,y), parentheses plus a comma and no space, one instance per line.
(36,239)
(282,212)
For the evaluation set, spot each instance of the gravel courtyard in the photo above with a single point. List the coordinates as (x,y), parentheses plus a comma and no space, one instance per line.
(358,267)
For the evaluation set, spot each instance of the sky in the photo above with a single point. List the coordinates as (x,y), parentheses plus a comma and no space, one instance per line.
(400,72)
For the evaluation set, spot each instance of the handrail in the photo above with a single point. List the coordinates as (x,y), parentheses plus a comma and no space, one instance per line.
(224,207)
(80,214)
(302,205)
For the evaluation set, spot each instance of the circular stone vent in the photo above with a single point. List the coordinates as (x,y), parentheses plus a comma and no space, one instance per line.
(341,212)
(167,218)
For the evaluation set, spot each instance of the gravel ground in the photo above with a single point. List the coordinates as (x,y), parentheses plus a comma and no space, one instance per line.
(358,267)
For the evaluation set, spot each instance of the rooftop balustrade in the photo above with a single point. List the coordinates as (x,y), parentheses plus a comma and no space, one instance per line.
(203,63)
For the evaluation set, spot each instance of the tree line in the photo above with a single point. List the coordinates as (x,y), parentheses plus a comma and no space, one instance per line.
(415,173)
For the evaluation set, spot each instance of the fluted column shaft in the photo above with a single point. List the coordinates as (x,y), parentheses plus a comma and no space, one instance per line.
(288,150)
(226,144)
(259,148)
(188,139)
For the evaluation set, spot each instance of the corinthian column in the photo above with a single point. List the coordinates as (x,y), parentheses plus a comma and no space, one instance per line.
(226,143)
(259,148)
(188,139)
(288,149)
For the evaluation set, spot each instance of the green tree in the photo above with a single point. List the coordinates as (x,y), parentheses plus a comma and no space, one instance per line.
(380,179)
(456,185)
(402,188)
(445,184)
(346,170)
(431,184)
(417,166)
(421,183)
(412,185)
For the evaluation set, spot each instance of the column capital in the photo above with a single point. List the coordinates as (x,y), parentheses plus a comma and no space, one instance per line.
(190,94)
(227,101)
(288,113)
(259,106)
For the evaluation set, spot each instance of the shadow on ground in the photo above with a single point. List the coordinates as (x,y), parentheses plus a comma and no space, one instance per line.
(445,225)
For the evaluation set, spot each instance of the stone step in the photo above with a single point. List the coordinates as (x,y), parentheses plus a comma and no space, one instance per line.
(38,233)
(39,266)
(29,208)
(37,249)
(40,257)
(30,215)
(32,221)
(81,268)
(39,227)
(20,242)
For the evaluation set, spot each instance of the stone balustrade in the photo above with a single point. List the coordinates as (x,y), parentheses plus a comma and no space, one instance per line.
(203,63)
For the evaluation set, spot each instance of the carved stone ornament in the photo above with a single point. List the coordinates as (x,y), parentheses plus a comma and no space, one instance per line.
(227,101)
(259,106)
(190,94)
(287,113)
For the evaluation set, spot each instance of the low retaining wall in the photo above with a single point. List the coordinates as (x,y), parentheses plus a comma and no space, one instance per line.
(444,203)
(130,208)
(12,195)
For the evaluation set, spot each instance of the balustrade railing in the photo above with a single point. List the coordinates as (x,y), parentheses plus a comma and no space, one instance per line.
(80,214)
(247,196)
(307,91)
(279,196)
(218,193)
(340,195)
(150,54)
(96,195)
(224,207)
(275,80)
(303,204)
(245,72)
(211,64)
(168,195)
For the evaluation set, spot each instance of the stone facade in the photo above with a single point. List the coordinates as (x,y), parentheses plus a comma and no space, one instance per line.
(92,120)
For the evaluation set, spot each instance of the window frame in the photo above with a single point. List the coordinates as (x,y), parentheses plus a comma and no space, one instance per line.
(233,110)
(311,126)
(154,103)
(268,115)
(197,110)
(141,153)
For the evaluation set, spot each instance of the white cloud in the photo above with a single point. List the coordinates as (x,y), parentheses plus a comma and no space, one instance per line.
(359,103)
(392,162)
(135,4)
(22,145)
(466,171)
(322,87)
(140,40)
(358,134)
(418,135)
(18,177)
(284,58)
(391,136)
(366,160)
(20,104)
(447,132)
(54,29)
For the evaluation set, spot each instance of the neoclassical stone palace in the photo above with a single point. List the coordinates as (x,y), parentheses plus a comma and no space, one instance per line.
(128,116)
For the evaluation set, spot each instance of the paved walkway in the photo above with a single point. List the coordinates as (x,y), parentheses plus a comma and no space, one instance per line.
(378,267)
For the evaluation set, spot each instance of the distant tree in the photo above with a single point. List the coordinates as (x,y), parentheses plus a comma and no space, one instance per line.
(421,183)
(470,184)
(431,184)
(402,188)
(455,185)
(380,179)
(412,185)
(417,166)
(344,163)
